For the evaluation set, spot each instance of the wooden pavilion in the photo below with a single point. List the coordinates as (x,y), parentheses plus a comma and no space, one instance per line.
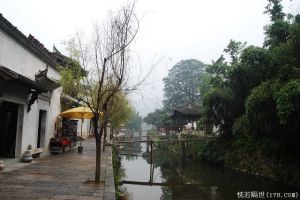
(182,116)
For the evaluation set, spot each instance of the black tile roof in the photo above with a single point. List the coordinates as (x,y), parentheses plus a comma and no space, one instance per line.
(21,79)
(189,109)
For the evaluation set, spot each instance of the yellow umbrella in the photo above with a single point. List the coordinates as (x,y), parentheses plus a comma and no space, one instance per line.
(78,113)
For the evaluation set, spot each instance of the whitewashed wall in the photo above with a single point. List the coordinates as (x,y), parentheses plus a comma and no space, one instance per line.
(31,121)
(18,59)
(54,110)
(85,128)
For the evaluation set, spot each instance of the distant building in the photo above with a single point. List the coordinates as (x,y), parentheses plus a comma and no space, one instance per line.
(186,116)
(29,92)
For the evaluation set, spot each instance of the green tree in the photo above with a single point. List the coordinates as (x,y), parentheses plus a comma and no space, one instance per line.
(205,85)
(259,82)
(120,110)
(71,75)
(231,85)
(274,9)
(181,86)
(261,109)
(135,121)
(234,49)
(159,118)
(288,104)
(255,99)
(277,32)
(217,101)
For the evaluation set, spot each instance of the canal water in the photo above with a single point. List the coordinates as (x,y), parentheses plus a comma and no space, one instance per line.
(173,176)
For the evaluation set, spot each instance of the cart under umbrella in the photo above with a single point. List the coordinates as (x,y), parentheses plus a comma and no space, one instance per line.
(78,113)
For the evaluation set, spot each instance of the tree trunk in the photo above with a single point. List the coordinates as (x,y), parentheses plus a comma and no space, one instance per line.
(111,133)
(98,150)
(105,135)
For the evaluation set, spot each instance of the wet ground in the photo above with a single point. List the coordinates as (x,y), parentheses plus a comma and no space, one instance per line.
(66,176)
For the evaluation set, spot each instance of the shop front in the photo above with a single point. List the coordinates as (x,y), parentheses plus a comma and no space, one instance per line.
(29,93)
(8,127)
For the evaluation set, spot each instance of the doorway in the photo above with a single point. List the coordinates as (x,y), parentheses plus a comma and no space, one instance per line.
(41,129)
(8,127)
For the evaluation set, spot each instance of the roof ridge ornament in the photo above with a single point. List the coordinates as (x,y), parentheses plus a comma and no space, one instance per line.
(42,73)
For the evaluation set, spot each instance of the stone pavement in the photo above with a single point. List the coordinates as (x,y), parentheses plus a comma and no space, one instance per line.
(65,176)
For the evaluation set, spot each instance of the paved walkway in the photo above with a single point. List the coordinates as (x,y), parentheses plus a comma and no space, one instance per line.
(66,176)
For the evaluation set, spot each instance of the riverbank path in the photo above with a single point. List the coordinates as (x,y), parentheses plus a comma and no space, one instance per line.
(58,177)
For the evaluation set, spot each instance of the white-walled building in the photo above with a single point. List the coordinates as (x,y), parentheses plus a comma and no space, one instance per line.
(29,93)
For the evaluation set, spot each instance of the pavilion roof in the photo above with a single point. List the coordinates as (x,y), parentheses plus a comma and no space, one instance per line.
(189,109)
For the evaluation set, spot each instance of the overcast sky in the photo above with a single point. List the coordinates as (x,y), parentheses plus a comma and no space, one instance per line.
(171,30)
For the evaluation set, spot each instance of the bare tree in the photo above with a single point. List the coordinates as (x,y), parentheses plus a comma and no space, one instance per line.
(105,58)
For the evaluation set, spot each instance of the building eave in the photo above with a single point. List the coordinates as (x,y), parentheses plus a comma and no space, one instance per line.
(68,101)
(43,80)
(13,76)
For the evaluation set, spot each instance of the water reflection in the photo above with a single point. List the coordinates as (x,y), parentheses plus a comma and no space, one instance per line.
(171,175)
